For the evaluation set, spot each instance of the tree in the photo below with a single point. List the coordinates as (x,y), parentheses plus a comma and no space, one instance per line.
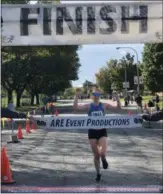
(53,86)
(131,69)
(69,92)
(152,67)
(34,67)
(112,75)
(62,64)
(19,67)
(109,76)
(87,87)
(103,80)
(47,70)
(115,72)
(34,89)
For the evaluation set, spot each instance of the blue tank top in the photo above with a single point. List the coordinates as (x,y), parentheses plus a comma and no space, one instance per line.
(96,110)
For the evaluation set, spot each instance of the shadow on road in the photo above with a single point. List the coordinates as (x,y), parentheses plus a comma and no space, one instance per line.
(64,158)
(154,133)
(64,177)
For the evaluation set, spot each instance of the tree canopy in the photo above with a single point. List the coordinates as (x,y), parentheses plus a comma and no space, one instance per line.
(152,67)
(87,87)
(40,70)
(112,75)
(45,70)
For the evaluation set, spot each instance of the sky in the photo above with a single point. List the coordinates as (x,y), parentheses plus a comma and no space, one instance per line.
(93,57)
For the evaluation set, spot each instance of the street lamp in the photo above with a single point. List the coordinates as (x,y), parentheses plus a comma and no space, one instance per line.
(125,76)
(137,61)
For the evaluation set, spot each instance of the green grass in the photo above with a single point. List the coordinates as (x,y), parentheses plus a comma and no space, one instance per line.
(30,108)
(146,99)
(26,108)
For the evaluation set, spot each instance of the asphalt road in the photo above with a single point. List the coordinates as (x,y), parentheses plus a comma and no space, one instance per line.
(64,158)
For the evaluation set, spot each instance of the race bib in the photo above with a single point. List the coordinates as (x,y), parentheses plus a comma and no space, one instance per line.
(97,113)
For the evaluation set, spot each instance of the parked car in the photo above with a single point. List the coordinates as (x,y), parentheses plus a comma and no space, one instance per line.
(6,113)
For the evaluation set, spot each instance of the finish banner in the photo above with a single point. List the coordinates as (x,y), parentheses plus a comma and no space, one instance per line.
(90,122)
(75,24)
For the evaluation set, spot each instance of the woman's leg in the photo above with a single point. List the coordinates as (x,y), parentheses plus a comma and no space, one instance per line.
(94,146)
(102,143)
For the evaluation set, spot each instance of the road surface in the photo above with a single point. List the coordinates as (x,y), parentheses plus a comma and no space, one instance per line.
(57,159)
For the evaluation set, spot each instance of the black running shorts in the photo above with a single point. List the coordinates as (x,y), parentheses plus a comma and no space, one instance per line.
(97,134)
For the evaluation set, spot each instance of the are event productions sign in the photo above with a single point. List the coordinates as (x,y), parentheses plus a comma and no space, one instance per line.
(89,23)
(83,122)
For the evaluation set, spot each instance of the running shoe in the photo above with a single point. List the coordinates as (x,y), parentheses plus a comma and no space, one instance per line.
(105,164)
(98,178)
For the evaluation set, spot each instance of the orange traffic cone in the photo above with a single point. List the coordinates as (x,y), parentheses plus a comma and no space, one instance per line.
(27,122)
(28,130)
(6,175)
(33,126)
(56,113)
(20,133)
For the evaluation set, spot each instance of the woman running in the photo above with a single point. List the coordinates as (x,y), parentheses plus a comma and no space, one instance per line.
(97,137)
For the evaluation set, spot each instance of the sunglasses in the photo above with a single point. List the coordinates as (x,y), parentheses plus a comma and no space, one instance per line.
(96,94)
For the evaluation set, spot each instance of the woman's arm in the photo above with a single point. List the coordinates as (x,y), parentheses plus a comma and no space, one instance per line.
(79,107)
(117,105)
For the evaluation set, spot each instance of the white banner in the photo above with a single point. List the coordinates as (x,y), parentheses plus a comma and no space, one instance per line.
(72,24)
(41,121)
(84,122)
